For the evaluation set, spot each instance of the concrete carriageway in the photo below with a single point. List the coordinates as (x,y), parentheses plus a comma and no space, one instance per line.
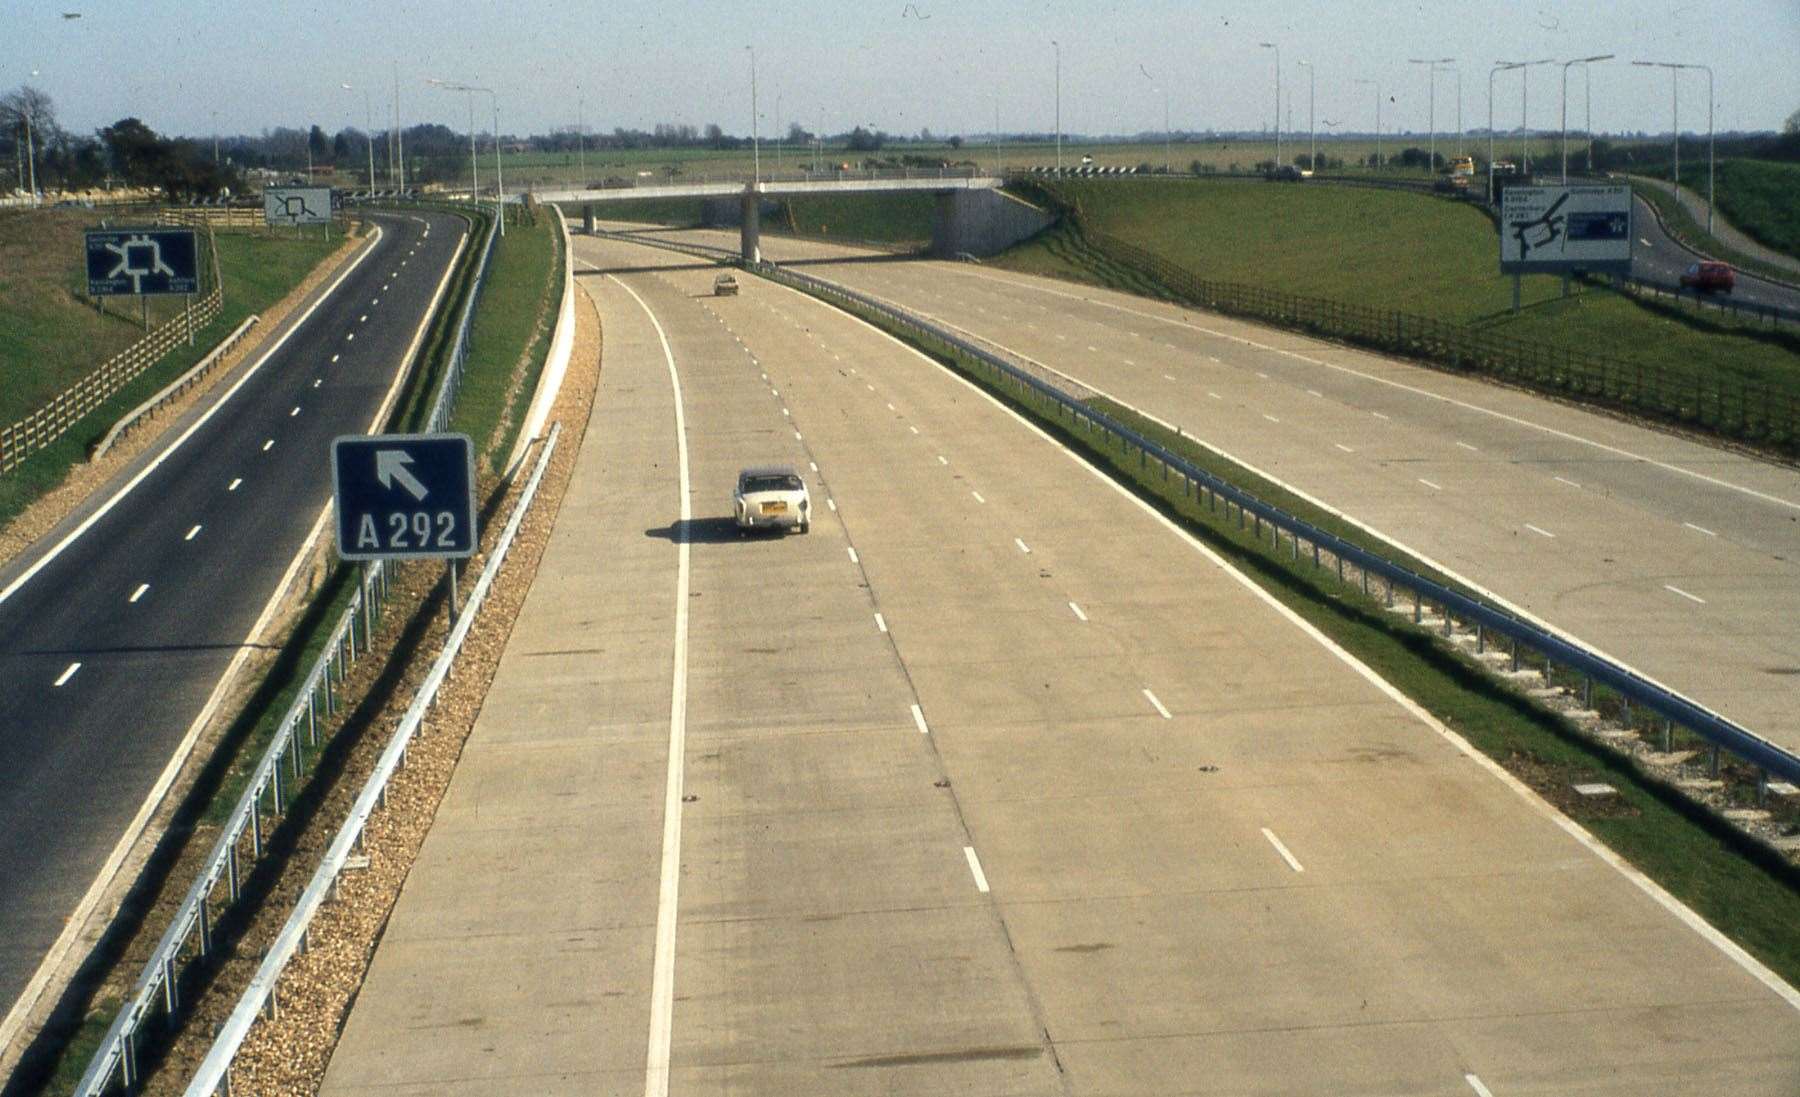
(993,783)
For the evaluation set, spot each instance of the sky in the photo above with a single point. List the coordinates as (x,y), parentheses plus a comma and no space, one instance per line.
(200,67)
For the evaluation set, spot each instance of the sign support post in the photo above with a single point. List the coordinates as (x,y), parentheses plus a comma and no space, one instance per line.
(406,497)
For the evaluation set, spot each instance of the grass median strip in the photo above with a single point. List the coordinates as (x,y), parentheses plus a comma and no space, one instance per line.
(1743,888)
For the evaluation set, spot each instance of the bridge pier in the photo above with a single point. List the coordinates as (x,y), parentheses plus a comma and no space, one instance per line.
(750,225)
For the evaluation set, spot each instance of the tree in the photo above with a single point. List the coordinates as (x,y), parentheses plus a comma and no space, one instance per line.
(340,146)
(715,137)
(318,144)
(797,134)
(861,140)
(27,111)
(1792,125)
(956,142)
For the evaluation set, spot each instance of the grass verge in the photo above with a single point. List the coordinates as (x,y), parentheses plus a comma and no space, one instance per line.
(511,337)
(1740,886)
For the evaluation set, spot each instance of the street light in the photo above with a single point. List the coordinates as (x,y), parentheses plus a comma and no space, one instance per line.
(1277,49)
(1582,61)
(1377,84)
(755,140)
(1499,66)
(581,140)
(1674,74)
(369,115)
(30,147)
(1431,105)
(1524,111)
(474,170)
(1312,157)
(1058,48)
(1165,99)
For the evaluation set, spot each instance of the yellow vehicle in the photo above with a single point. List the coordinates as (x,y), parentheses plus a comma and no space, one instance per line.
(1463,166)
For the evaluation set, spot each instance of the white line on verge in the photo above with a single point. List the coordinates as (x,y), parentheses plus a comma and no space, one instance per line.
(1281,849)
(981,883)
(662,977)
(919,721)
(295,412)
(70,673)
(1151,697)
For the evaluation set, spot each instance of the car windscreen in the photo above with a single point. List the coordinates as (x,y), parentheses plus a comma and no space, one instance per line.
(771,483)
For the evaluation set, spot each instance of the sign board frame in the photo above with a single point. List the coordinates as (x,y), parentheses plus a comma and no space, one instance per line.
(380,487)
(296,205)
(1565,229)
(145,261)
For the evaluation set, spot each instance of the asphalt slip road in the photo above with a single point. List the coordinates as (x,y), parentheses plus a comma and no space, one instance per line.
(1656,257)
(994,783)
(109,651)
(1677,558)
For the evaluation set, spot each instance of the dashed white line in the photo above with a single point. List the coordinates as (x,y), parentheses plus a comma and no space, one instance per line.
(832,503)
(384,287)
(797,436)
(1314,392)
(1467,446)
(233,486)
(1270,418)
(1078,612)
(349,337)
(73,667)
(1429,484)
(890,407)
(295,412)
(1699,529)
(1023,547)
(1645,242)
(1540,532)
(1093,348)
(1129,362)
(1684,594)
(269,445)
(1378,415)
(784,413)
(852,551)
(981,883)
(1564,480)
(942,460)
(1168,377)
(1281,849)
(977,496)
(138,593)
(192,533)
(919,721)
(814,465)
(1474,1082)
(1158,705)
(1343,447)
(912,428)
(317,381)
(334,358)
(1262,375)
(881,622)
(1215,396)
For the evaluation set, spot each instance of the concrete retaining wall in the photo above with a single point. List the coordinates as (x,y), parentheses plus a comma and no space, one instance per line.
(983,222)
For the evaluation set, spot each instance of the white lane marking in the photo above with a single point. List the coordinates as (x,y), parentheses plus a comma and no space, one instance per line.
(881,622)
(1211,358)
(1645,242)
(784,413)
(1314,392)
(912,428)
(1391,383)
(1023,547)
(830,502)
(1264,376)
(1564,480)
(317,381)
(1699,529)
(1475,1084)
(662,978)
(1540,532)
(1547,811)
(1343,447)
(192,533)
(1151,697)
(796,436)
(73,667)
(814,465)
(138,593)
(890,407)
(1378,415)
(1270,418)
(1129,362)
(981,883)
(868,386)
(1215,396)
(384,286)
(1168,377)
(349,337)
(1078,612)
(1467,446)
(977,496)
(295,412)
(1281,849)
(919,721)
(1429,484)
(376,301)
(233,486)
(852,552)
(334,358)
(942,460)
(1684,594)
(1093,348)
(269,445)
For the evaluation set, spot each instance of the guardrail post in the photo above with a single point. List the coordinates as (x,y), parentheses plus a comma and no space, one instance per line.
(1668,736)
(1762,786)
(1515,655)
(1418,608)
(256,827)
(1712,763)
(231,872)
(1587,692)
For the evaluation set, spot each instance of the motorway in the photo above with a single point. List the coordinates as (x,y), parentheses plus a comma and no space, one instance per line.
(1679,559)
(116,628)
(994,783)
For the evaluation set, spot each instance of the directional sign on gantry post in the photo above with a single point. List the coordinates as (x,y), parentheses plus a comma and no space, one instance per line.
(404,496)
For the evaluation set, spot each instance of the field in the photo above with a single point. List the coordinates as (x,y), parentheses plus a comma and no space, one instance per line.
(1763,199)
(1395,250)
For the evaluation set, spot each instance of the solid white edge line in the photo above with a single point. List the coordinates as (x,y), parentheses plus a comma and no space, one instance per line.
(919,721)
(1657,893)
(981,883)
(1158,705)
(1281,849)
(1475,1084)
(662,978)
(67,674)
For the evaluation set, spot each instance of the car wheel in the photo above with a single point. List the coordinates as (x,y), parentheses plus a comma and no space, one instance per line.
(805,527)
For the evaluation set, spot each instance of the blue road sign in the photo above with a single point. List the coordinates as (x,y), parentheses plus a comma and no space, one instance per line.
(404,496)
(134,262)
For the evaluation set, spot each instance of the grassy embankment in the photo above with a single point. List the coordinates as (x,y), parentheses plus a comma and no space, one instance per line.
(1745,890)
(889,220)
(1760,198)
(50,336)
(509,345)
(1392,250)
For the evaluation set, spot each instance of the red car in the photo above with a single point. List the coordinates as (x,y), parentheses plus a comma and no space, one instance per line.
(1708,277)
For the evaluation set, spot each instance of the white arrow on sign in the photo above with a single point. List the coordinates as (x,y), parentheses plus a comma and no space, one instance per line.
(390,465)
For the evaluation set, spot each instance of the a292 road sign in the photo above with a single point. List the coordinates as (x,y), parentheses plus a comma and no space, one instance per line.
(135,262)
(404,496)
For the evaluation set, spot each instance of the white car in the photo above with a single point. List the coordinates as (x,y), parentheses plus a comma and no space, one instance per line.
(771,498)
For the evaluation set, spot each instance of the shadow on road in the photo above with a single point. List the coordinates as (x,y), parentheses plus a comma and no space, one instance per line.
(705,531)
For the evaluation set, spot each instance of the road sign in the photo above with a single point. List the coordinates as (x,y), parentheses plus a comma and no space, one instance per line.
(1562,229)
(404,496)
(296,205)
(135,262)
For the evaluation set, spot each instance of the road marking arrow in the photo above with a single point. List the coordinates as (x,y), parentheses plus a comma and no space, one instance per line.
(390,465)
